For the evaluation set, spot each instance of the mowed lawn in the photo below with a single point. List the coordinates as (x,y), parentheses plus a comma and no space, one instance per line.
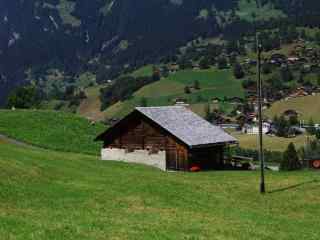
(213,83)
(51,129)
(51,195)
(307,107)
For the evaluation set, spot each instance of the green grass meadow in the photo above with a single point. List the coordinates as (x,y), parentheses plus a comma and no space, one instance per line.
(57,195)
(213,83)
(50,129)
(51,195)
(143,71)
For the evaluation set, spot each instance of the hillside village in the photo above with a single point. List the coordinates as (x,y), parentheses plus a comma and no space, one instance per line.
(299,77)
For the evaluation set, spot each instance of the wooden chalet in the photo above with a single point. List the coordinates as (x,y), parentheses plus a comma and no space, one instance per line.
(170,138)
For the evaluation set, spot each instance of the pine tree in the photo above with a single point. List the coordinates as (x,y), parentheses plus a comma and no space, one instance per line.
(282,126)
(290,159)
(196,85)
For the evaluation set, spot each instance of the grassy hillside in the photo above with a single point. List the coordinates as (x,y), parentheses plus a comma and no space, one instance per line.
(143,71)
(213,83)
(271,143)
(53,130)
(249,10)
(307,107)
(51,195)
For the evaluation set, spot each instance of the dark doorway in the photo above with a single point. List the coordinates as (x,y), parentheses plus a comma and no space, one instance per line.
(175,160)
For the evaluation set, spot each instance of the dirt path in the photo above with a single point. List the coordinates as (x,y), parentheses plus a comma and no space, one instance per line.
(91,106)
(5,139)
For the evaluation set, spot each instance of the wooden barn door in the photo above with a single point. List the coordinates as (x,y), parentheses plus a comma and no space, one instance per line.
(181,159)
(171,158)
(176,159)
(176,155)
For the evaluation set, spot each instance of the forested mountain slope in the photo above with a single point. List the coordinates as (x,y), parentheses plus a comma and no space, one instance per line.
(51,40)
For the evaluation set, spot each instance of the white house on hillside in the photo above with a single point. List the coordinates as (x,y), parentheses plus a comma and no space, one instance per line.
(254,129)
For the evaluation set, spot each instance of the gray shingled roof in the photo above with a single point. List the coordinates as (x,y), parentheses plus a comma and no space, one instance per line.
(187,126)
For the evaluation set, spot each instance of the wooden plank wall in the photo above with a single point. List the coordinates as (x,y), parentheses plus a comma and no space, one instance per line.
(140,134)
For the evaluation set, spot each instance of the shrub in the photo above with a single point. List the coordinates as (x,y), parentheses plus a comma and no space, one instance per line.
(187,90)
(143,102)
(24,97)
(318,134)
(290,159)
(238,71)
(196,85)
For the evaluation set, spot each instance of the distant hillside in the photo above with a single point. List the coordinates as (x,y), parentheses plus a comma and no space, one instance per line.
(73,37)
(307,108)
(54,42)
(213,83)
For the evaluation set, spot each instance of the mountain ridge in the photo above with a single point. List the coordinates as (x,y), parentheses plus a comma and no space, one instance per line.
(108,37)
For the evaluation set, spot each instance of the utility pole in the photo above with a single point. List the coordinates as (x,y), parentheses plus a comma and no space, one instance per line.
(259,91)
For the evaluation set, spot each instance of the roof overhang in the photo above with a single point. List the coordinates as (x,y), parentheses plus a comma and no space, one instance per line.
(214,144)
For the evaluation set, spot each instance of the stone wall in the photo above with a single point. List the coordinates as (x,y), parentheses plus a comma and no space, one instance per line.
(157,160)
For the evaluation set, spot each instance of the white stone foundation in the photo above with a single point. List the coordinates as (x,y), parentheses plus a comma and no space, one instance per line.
(157,160)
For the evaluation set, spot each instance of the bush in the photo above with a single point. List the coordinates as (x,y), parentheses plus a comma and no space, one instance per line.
(187,90)
(222,63)
(196,85)
(238,71)
(247,83)
(143,102)
(24,97)
(290,159)
(282,126)
(318,134)
(204,63)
